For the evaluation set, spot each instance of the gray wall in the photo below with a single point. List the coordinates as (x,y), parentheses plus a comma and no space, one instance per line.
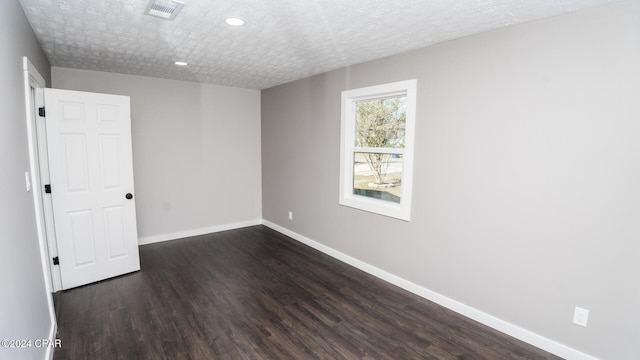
(24,313)
(527,173)
(196,150)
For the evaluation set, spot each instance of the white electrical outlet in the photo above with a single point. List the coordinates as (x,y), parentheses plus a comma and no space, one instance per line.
(581,316)
(290,215)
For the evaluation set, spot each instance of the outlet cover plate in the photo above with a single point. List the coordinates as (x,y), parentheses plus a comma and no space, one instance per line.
(581,316)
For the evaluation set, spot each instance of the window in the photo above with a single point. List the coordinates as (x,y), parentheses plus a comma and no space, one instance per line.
(376,152)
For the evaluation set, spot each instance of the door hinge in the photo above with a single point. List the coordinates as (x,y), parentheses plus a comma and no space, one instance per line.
(56,261)
(47,188)
(41,111)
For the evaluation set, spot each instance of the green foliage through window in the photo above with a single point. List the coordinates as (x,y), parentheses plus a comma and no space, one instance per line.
(380,123)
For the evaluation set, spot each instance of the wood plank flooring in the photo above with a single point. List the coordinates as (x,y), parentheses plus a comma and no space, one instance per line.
(253,293)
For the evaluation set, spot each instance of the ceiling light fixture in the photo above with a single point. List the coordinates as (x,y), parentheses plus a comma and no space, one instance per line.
(234,21)
(181,63)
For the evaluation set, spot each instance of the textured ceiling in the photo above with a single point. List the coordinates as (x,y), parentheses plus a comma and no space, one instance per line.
(283,40)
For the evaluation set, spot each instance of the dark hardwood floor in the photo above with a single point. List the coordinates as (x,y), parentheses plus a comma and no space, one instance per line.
(253,293)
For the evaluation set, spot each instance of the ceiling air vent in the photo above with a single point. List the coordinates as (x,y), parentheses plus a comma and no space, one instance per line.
(166,9)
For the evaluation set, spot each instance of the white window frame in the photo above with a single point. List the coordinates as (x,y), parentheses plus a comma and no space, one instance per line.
(400,210)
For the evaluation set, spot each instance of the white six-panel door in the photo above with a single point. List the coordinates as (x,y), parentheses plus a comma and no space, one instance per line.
(91,173)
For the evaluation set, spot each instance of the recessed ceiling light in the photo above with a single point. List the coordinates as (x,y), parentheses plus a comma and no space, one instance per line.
(181,63)
(234,21)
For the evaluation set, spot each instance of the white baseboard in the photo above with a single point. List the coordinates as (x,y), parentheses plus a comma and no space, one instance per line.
(53,332)
(195,232)
(468,311)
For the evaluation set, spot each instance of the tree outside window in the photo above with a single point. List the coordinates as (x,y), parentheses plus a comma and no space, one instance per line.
(380,124)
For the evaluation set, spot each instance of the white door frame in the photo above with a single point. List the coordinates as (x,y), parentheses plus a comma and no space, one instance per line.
(39,174)
(34,98)
(50,233)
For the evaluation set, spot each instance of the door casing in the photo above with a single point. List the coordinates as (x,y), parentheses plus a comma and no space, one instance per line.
(34,98)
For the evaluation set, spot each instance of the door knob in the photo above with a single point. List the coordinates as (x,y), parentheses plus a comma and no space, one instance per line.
(129,196)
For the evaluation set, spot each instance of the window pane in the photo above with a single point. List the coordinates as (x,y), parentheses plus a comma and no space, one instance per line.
(381,122)
(378,176)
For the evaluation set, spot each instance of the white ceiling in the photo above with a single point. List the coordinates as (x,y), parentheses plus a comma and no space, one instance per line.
(283,40)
